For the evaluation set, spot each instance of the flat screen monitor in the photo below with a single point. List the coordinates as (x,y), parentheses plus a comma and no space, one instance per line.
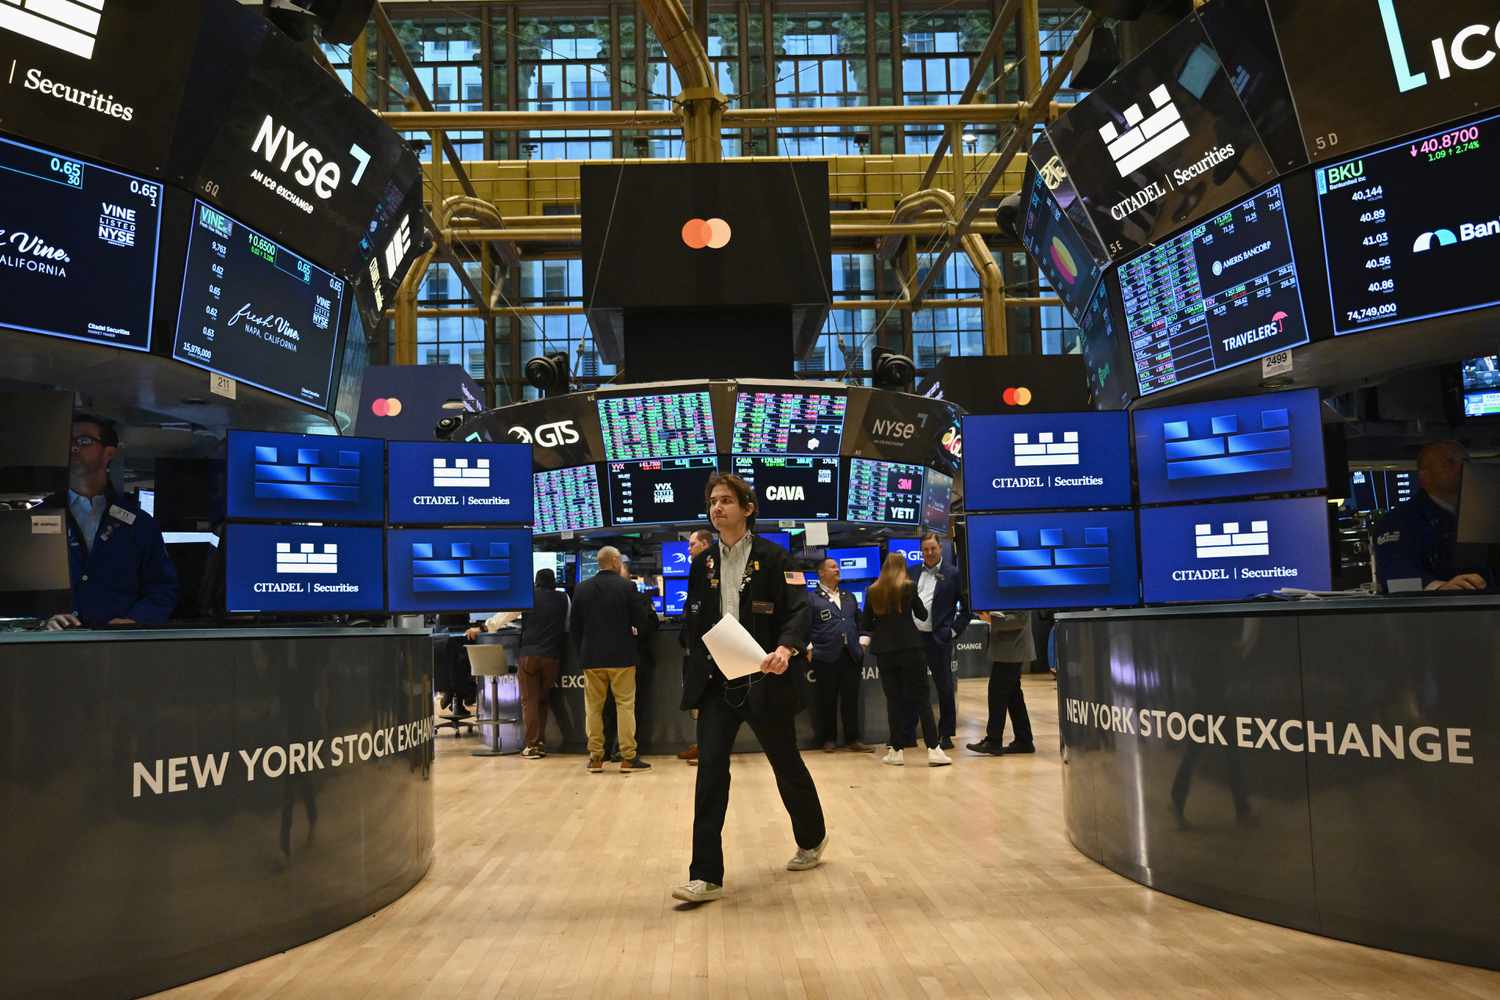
(1053,241)
(432,570)
(1481,386)
(792,487)
(911,548)
(34,577)
(659,490)
(257,312)
(147,501)
(1106,351)
(658,604)
(657,425)
(305,477)
(884,492)
(1047,461)
(78,251)
(1374,491)
(1409,230)
(1221,294)
(456,482)
(862,563)
(557,562)
(1271,443)
(588,564)
(675,560)
(36,438)
(769,422)
(1074,559)
(567,499)
(676,595)
(781,538)
(301,569)
(1234,551)
(190,494)
(937,501)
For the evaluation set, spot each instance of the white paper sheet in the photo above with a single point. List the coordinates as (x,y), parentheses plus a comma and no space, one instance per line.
(735,651)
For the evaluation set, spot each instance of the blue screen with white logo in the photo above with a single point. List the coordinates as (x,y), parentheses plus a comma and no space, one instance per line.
(299,569)
(305,477)
(453,482)
(459,569)
(857,564)
(676,595)
(1234,551)
(1230,448)
(911,548)
(1074,559)
(1046,461)
(675,560)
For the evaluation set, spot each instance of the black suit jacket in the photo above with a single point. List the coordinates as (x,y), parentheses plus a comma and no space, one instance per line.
(949,616)
(896,631)
(605,608)
(773,608)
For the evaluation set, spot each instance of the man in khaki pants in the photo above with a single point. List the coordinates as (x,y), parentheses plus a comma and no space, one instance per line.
(605,610)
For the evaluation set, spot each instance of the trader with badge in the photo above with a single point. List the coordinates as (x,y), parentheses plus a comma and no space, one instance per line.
(1416,543)
(836,655)
(749,579)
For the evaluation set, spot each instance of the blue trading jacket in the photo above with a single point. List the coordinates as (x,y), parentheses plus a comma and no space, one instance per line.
(127,574)
(834,626)
(1419,539)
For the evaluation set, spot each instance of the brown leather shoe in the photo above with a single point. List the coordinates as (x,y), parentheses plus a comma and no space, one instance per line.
(690,754)
(857,747)
(633,765)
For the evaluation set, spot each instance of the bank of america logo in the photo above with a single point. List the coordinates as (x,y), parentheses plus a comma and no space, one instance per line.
(460,567)
(1228,449)
(1147,137)
(306,557)
(70,25)
(1053,560)
(460,475)
(1047,449)
(1442,237)
(1231,542)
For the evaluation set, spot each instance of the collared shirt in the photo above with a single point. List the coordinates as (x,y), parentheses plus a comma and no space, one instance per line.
(926,588)
(89,513)
(732,562)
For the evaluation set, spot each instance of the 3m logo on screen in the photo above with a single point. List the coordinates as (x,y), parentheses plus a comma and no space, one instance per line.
(1052,561)
(315,170)
(1226,450)
(552,435)
(1466,232)
(1472,48)
(69,25)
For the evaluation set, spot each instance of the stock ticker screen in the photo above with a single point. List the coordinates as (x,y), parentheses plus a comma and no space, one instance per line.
(659,425)
(257,312)
(1409,231)
(1220,294)
(78,250)
(788,423)
(659,490)
(792,487)
(884,492)
(1481,381)
(1053,238)
(567,500)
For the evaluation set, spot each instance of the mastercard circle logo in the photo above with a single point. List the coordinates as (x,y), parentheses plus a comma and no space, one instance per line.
(386,407)
(713,234)
(1017,396)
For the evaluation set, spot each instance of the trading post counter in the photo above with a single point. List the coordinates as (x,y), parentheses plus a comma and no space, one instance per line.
(1329,766)
(177,803)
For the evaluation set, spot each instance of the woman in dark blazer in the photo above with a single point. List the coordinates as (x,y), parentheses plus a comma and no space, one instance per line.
(897,645)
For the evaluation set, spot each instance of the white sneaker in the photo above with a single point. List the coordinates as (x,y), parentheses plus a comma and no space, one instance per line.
(936,757)
(807,858)
(894,756)
(699,891)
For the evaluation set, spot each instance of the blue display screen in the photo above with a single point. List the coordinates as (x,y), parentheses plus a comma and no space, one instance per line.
(782,538)
(300,569)
(857,564)
(463,569)
(1059,560)
(676,596)
(658,604)
(305,477)
(675,560)
(452,482)
(911,548)
(1230,448)
(1045,461)
(1234,551)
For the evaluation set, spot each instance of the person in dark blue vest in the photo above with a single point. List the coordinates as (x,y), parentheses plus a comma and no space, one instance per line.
(118,561)
(1417,541)
(836,655)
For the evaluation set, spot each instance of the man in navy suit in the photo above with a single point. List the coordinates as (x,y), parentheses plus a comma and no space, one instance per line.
(836,655)
(938,587)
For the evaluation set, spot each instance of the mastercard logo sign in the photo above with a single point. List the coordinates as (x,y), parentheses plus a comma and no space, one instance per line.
(390,407)
(711,234)
(1018,396)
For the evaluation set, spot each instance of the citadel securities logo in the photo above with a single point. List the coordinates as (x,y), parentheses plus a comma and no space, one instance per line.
(552,435)
(460,475)
(711,234)
(1470,49)
(89,99)
(1232,542)
(1047,450)
(1146,138)
(69,25)
(27,252)
(306,558)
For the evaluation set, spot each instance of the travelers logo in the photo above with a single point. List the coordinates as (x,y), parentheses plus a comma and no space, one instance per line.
(1442,237)
(460,475)
(1232,542)
(70,25)
(1047,450)
(1147,137)
(306,558)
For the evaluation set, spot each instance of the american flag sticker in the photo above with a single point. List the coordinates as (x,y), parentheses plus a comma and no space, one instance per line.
(70,25)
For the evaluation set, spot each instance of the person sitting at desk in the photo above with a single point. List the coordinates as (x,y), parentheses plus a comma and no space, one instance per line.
(117,560)
(1418,540)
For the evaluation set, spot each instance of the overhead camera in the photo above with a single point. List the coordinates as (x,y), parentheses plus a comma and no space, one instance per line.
(1008,217)
(892,370)
(340,21)
(549,373)
(445,428)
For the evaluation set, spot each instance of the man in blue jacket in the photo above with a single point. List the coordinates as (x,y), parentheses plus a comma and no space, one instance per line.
(1417,541)
(836,655)
(119,565)
(938,587)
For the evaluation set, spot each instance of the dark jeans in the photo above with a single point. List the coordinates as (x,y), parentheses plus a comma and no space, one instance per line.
(838,680)
(903,677)
(719,721)
(1006,696)
(940,664)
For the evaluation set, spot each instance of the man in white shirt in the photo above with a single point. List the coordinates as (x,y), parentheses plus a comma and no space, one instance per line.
(938,587)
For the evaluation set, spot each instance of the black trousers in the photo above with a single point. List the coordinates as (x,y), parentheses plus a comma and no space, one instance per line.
(838,680)
(903,677)
(719,719)
(940,663)
(1005,696)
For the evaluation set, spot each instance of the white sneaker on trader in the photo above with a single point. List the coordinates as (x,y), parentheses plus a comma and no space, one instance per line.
(807,858)
(698,891)
(894,756)
(936,757)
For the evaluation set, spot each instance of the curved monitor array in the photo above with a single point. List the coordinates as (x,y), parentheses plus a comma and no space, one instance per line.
(813,452)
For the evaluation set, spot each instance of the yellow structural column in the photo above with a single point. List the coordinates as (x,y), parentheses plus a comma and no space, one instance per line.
(702,124)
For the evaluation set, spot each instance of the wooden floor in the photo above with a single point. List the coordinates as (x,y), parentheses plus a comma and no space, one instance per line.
(939,882)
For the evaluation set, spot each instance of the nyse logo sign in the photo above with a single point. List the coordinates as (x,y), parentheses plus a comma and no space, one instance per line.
(552,435)
(1146,138)
(315,170)
(69,25)
(1470,49)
